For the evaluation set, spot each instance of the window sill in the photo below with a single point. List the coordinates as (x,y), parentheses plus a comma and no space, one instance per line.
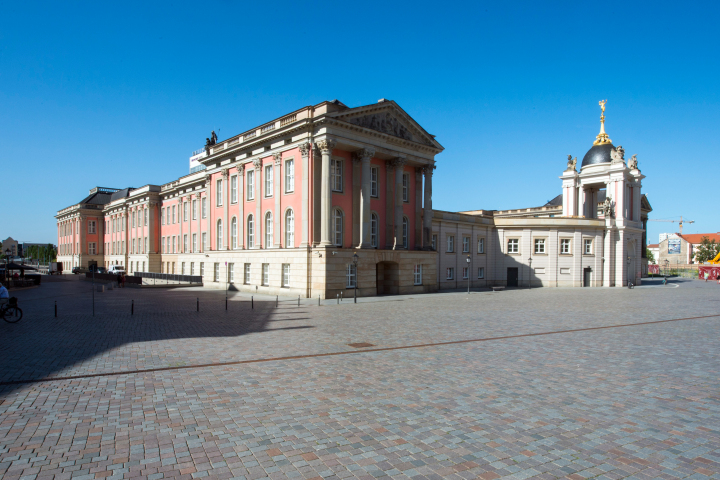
(540,254)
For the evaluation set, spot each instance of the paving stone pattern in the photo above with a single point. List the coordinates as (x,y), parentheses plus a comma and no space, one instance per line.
(628,402)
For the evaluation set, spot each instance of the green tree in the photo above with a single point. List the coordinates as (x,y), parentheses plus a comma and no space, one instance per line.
(649,255)
(707,250)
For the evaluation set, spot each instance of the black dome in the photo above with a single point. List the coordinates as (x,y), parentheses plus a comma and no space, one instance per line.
(598,154)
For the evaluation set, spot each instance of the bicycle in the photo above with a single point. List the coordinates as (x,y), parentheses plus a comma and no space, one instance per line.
(10,312)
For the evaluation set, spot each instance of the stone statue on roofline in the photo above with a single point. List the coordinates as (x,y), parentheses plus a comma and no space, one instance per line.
(618,155)
(571,163)
(607,207)
(632,164)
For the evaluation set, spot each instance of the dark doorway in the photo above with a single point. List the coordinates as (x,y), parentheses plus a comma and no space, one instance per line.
(587,276)
(512,277)
(387,277)
(92,265)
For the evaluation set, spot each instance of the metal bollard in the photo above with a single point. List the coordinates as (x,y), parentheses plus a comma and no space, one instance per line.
(56,308)
(338,298)
(198,304)
(132,307)
(252,302)
(341,296)
(318,299)
(225,303)
(298,300)
(277,299)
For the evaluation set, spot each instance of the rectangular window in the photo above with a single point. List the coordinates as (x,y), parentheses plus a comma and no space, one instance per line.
(162,216)
(146,246)
(265,274)
(481,272)
(269,181)
(216,272)
(481,245)
(194,242)
(168,245)
(174,215)
(194,209)
(587,246)
(434,242)
(185,243)
(123,247)
(92,248)
(565,245)
(285,274)
(174,243)
(350,275)
(204,241)
(513,245)
(246,280)
(192,268)
(182,268)
(231,273)
(218,193)
(91,226)
(133,217)
(233,189)
(251,185)
(202,269)
(336,175)
(539,245)
(466,244)
(132,246)
(417,275)
(406,187)
(185,211)
(465,273)
(450,273)
(146,217)
(203,206)
(373,181)
(450,243)
(289,176)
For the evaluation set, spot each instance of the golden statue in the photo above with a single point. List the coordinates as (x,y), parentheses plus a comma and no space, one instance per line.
(602,105)
(602,137)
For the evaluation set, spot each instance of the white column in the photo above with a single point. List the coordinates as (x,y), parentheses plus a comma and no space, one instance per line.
(181,204)
(208,195)
(399,164)
(326,146)
(241,206)
(305,172)
(365,155)
(226,206)
(427,206)
(277,182)
(259,221)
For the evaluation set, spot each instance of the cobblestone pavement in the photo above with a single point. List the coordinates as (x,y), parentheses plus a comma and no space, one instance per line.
(625,402)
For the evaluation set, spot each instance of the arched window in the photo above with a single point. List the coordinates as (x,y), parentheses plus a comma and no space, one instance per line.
(374,230)
(338,227)
(219,236)
(250,232)
(233,232)
(289,229)
(268,230)
(405,232)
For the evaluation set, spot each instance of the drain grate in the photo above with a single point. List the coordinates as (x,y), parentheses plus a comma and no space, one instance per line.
(360,345)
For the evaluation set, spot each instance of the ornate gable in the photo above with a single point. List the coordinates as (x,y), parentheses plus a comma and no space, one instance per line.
(390,119)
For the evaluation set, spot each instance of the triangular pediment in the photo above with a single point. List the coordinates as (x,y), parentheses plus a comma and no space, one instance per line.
(388,118)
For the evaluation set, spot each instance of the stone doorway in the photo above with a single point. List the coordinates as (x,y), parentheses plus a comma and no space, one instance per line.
(387,278)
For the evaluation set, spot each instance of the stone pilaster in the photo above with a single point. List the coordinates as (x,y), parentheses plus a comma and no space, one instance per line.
(427,208)
(152,226)
(399,170)
(208,195)
(356,200)
(241,207)
(418,207)
(389,204)
(258,186)
(305,172)
(364,156)
(181,205)
(226,207)
(277,182)
(326,146)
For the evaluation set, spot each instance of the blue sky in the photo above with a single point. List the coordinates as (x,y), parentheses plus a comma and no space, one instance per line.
(119,95)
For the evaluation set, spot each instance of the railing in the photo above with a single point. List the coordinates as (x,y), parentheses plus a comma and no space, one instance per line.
(170,277)
(234,141)
(267,128)
(288,119)
(249,135)
(198,152)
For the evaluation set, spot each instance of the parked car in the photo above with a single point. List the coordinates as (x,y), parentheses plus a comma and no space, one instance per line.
(98,269)
(116,269)
(79,270)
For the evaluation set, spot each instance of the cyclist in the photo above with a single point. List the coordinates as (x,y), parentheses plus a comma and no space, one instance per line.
(4,295)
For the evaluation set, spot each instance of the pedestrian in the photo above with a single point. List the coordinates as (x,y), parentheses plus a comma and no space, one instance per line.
(707,275)
(718,278)
(123,280)
(119,280)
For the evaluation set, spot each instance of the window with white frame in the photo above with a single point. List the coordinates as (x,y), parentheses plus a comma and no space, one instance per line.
(174,244)
(337,227)
(266,274)
(350,276)
(466,244)
(373,181)
(539,245)
(194,242)
(269,181)
(481,272)
(146,245)
(449,273)
(92,248)
(233,189)
(174,214)
(434,242)
(336,176)
(162,245)
(216,272)
(405,228)
(565,246)
(465,273)
(481,245)
(146,217)
(132,246)
(250,184)
(231,273)
(219,193)
(250,232)
(285,274)
(233,233)
(406,187)
(289,229)
(204,241)
(91,226)
(417,274)
(587,246)
(246,274)
(203,206)
(451,243)
(192,268)
(182,268)
(194,209)
(202,269)
(185,211)
(162,216)
(289,176)
(513,245)
(133,217)
(185,242)
(269,230)
(374,230)
(219,235)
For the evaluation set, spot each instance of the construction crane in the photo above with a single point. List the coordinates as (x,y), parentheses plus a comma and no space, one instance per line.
(680,222)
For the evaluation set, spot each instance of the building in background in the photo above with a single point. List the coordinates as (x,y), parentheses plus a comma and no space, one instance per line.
(655,250)
(13,245)
(680,248)
(283,207)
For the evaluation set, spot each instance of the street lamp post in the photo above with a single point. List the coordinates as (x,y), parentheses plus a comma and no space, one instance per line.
(468,267)
(7,264)
(530,276)
(355,263)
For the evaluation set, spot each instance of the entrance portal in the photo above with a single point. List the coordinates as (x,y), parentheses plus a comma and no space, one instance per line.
(387,277)
(587,275)
(512,277)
